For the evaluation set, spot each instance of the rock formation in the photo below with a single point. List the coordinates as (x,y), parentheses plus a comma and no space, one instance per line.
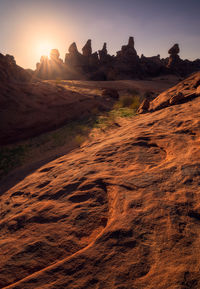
(73,58)
(152,66)
(52,68)
(83,64)
(87,48)
(128,52)
(103,53)
(102,66)
(126,64)
(174,59)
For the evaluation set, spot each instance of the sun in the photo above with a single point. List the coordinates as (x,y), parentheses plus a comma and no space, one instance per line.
(44,48)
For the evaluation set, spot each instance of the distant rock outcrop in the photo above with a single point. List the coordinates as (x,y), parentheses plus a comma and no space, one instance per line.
(87,48)
(174,59)
(102,66)
(152,66)
(52,68)
(103,53)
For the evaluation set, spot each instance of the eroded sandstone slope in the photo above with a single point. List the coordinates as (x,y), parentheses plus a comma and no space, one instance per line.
(123,211)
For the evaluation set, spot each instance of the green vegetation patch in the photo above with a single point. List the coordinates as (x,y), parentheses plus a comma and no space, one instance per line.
(126,106)
(11,158)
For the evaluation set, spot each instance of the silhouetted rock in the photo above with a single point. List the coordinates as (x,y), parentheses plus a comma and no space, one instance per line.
(128,52)
(52,68)
(125,65)
(174,59)
(87,48)
(54,54)
(103,53)
(174,50)
(73,58)
(151,66)
(73,49)
(9,71)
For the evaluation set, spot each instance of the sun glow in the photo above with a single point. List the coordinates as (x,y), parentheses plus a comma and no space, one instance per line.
(44,48)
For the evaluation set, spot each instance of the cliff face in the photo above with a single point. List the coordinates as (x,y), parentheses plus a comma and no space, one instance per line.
(102,66)
(121,212)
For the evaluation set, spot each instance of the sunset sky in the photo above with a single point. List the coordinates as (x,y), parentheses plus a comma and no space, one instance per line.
(30,27)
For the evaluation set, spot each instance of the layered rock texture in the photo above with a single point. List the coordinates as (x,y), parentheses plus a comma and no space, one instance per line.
(122,211)
(102,66)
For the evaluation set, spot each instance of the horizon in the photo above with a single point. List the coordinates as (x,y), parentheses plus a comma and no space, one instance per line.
(30,26)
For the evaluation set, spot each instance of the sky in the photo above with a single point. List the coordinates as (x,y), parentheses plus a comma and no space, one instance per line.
(30,27)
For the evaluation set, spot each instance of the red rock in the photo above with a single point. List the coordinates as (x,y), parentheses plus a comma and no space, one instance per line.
(182,92)
(122,211)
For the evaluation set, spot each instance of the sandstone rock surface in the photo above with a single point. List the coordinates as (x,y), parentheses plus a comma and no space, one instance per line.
(184,91)
(123,211)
